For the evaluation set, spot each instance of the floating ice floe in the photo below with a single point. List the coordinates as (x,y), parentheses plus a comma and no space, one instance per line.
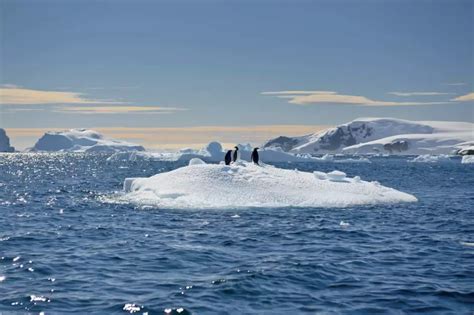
(37,298)
(243,185)
(467,159)
(332,158)
(428,158)
(344,224)
(131,308)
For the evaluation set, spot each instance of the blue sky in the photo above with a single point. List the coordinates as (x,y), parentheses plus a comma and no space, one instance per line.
(207,63)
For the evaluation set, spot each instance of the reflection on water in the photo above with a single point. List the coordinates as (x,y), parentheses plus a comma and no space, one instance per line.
(63,250)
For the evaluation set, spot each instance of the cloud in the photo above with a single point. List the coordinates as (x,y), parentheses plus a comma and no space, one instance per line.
(418,93)
(14,95)
(334,97)
(118,109)
(465,98)
(133,87)
(455,83)
(297,92)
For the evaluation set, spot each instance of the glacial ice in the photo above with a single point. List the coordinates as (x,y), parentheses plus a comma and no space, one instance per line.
(382,135)
(82,140)
(214,153)
(243,185)
(428,158)
(467,159)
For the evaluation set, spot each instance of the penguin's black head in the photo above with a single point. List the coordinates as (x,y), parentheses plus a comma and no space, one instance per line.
(255,149)
(236,147)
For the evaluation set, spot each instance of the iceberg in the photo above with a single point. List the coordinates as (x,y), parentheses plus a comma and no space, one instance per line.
(82,140)
(332,158)
(213,153)
(5,142)
(244,185)
(467,159)
(428,158)
(382,135)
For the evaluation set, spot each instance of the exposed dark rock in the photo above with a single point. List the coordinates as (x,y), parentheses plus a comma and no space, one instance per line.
(5,142)
(285,143)
(396,146)
(468,151)
(343,136)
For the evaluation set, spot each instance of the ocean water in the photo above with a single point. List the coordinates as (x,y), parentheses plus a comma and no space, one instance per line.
(64,250)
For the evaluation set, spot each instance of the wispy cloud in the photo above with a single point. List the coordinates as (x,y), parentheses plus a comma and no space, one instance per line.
(418,93)
(14,95)
(113,88)
(336,98)
(297,92)
(456,83)
(118,109)
(15,98)
(465,98)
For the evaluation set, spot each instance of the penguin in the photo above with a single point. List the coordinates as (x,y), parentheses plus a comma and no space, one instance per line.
(235,156)
(255,156)
(228,157)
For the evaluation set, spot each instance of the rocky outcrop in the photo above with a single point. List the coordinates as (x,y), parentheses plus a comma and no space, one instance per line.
(5,142)
(284,143)
(396,146)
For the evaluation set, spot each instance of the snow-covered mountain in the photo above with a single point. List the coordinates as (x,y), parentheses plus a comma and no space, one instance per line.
(5,142)
(82,140)
(382,135)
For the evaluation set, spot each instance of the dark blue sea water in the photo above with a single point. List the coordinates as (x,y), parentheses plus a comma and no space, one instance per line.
(64,250)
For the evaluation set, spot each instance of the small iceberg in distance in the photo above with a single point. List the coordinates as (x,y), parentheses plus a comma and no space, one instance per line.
(467,159)
(428,158)
(81,140)
(246,185)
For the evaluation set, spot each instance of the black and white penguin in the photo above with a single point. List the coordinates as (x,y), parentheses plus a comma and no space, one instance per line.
(255,156)
(236,154)
(228,157)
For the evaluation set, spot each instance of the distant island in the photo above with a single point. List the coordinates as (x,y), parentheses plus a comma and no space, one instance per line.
(5,142)
(362,136)
(382,135)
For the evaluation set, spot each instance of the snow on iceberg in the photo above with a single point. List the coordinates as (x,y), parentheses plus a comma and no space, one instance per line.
(244,184)
(5,142)
(82,140)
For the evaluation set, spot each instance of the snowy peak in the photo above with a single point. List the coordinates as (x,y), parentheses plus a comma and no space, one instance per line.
(82,140)
(367,130)
(5,142)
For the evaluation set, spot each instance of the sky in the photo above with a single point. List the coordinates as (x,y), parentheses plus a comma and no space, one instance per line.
(169,74)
